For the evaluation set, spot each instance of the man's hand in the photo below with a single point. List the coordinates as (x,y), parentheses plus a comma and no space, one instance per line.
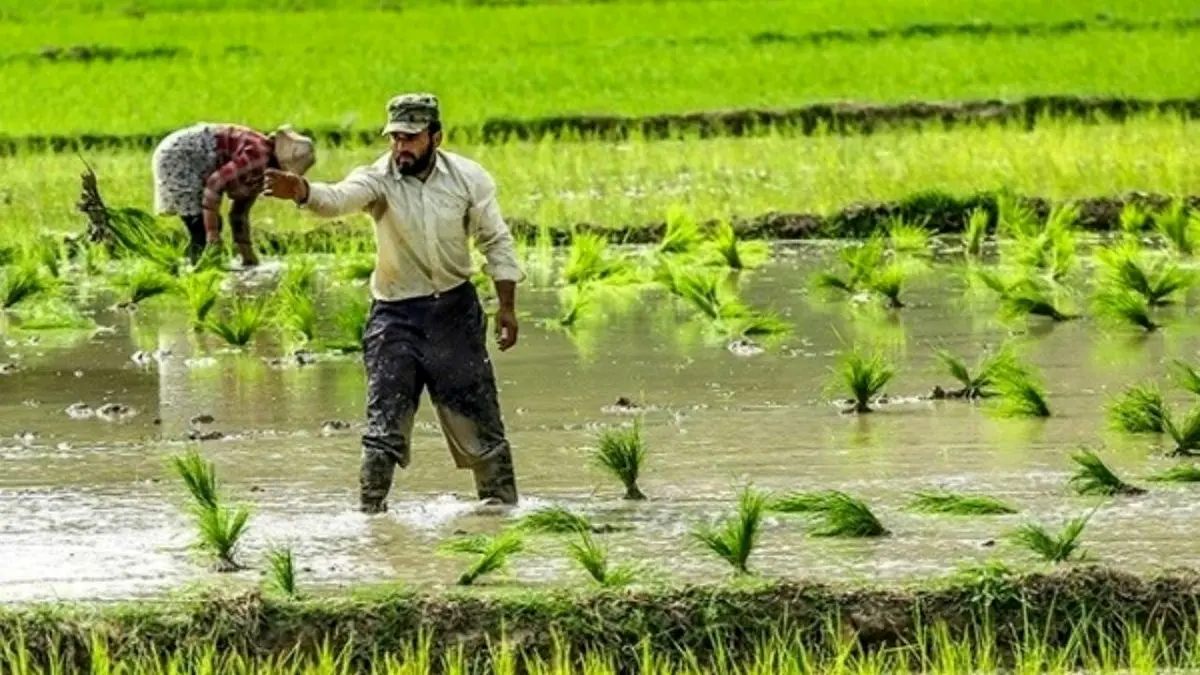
(284,185)
(506,327)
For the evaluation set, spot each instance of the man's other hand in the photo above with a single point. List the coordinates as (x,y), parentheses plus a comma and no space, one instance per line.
(284,185)
(506,328)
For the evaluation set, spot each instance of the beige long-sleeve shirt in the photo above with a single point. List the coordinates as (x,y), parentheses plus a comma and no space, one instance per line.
(422,229)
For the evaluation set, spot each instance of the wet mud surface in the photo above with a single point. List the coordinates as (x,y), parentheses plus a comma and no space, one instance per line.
(89,509)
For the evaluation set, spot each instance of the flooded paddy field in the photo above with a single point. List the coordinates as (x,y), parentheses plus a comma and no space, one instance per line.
(89,507)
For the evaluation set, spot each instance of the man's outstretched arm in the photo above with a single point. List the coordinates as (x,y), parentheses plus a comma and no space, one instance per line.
(330,200)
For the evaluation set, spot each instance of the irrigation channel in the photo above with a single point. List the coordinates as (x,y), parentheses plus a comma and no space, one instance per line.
(89,507)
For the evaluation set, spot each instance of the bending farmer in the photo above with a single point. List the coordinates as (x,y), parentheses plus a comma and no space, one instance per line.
(427,327)
(194,166)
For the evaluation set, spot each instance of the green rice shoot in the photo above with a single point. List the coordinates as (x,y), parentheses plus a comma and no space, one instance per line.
(199,477)
(975,234)
(621,453)
(908,237)
(1186,376)
(350,322)
(281,566)
(555,520)
(989,367)
(593,558)
(682,234)
(801,501)
(1183,473)
(1055,548)
(864,377)
(1159,283)
(1140,409)
(52,314)
(241,321)
(733,539)
(951,503)
(1186,433)
(589,259)
(735,253)
(1094,477)
(1124,307)
(493,553)
(295,311)
(888,282)
(19,283)
(847,516)
(200,291)
(1178,229)
(221,530)
(1020,395)
(143,281)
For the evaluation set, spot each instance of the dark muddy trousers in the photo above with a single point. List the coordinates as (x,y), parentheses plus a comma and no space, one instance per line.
(435,342)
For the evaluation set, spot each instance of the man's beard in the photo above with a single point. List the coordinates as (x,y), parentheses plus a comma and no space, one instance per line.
(418,165)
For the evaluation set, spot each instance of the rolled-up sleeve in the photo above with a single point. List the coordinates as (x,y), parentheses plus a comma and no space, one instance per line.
(491,233)
(354,193)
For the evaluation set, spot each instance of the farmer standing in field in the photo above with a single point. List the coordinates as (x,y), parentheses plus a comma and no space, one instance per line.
(426,327)
(194,166)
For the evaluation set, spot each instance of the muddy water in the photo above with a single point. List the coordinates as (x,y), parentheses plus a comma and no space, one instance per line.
(88,509)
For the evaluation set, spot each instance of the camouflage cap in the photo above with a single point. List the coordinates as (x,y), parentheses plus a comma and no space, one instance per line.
(411,113)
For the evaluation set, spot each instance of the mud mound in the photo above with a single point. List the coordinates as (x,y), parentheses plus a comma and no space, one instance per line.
(840,117)
(674,620)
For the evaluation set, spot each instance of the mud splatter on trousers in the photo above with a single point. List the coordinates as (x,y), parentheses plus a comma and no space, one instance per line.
(437,343)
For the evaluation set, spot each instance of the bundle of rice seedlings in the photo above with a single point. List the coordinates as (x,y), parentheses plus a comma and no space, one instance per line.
(1021,395)
(577,303)
(282,571)
(593,558)
(1123,269)
(846,516)
(1054,548)
(1186,376)
(1186,433)
(1180,230)
(989,367)
(1133,220)
(942,502)
(733,539)
(1032,299)
(295,311)
(53,314)
(888,281)
(908,237)
(860,260)
(1123,307)
(1093,477)
(1140,409)
(240,322)
(622,453)
(49,252)
(21,282)
(220,527)
(351,323)
(555,520)
(712,299)
(494,553)
(1050,248)
(589,260)
(975,233)
(1184,473)
(1014,218)
(357,268)
(200,290)
(145,280)
(299,276)
(864,377)
(736,253)
(801,502)
(682,234)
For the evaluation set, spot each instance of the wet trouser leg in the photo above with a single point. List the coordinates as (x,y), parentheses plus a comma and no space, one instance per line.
(439,342)
(395,379)
(195,228)
(462,385)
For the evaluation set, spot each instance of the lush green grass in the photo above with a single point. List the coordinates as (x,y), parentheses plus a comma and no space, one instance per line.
(635,183)
(546,61)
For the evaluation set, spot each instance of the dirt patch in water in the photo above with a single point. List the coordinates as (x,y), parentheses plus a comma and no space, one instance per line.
(673,619)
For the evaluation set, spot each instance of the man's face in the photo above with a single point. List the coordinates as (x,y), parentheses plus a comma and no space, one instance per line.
(412,153)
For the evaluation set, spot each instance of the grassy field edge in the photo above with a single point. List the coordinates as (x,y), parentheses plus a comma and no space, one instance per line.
(837,117)
(695,620)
